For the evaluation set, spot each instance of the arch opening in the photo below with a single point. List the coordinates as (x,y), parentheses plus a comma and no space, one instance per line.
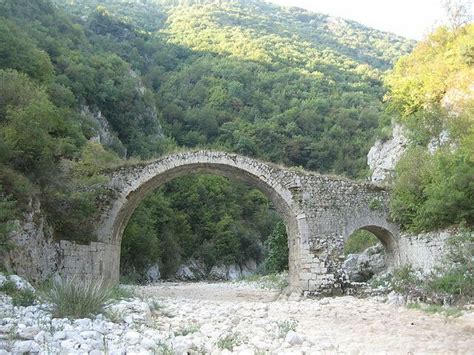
(203,227)
(149,178)
(369,251)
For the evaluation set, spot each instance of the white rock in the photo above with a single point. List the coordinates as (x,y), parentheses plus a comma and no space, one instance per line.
(20,283)
(218,272)
(23,346)
(85,323)
(68,344)
(153,273)
(293,338)
(40,337)
(383,156)
(395,299)
(132,337)
(91,334)
(148,343)
(192,271)
(59,335)
(182,345)
(233,272)
(28,332)
(249,267)
(3,279)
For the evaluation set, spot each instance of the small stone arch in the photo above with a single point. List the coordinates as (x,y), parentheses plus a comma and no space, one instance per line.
(135,183)
(388,239)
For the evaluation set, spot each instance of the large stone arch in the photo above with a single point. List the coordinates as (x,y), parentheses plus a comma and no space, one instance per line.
(133,184)
(320,212)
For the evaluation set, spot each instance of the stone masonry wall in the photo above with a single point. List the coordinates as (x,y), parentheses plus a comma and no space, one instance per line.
(320,213)
(89,261)
(424,251)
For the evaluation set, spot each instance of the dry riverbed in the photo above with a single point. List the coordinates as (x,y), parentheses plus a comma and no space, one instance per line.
(211,318)
(259,321)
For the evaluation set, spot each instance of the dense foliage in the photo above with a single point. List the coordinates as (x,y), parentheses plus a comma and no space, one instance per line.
(204,217)
(359,241)
(432,90)
(285,86)
(86,84)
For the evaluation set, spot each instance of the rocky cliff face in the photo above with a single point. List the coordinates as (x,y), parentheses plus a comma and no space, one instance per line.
(36,255)
(384,156)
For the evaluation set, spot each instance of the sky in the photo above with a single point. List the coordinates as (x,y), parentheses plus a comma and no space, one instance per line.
(409,18)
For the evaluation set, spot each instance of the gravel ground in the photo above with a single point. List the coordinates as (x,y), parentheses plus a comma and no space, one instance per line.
(241,318)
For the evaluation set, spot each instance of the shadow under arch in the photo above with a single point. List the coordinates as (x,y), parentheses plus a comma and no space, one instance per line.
(387,239)
(262,176)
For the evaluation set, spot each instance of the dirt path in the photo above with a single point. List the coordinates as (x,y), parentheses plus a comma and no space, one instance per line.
(259,321)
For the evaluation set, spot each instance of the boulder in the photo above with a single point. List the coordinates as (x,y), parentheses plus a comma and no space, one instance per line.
(249,267)
(193,270)
(233,272)
(153,274)
(361,267)
(19,282)
(218,273)
(293,338)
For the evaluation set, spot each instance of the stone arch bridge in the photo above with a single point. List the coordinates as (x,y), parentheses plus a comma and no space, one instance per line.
(320,213)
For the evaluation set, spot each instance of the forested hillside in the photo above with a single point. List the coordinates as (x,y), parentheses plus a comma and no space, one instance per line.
(85,85)
(431,91)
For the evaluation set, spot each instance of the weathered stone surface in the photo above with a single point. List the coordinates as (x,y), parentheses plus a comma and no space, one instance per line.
(361,267)
(218,273)
(233,272)
(320,213)
(36,254)
(293,338)
(153,273)
(193,270)
(384,155)
(249,267)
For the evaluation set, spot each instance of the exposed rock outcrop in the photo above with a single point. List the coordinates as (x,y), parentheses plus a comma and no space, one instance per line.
(384,155)
(103,132)
(194,270)
(153,273)
(36,256)
(361,267)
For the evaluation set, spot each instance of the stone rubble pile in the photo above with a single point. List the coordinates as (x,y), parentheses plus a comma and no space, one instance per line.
(183,324)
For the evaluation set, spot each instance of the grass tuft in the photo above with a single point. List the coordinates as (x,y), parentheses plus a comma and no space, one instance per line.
(74,298)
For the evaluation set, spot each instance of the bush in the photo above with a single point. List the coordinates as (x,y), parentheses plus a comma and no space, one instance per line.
(76,298)
(453,282)
(278,253)
(20,297)
(457,276)
(228,341)
(359,241)
(7,213)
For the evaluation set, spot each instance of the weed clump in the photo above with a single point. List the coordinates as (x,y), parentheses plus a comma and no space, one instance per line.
(76,298)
